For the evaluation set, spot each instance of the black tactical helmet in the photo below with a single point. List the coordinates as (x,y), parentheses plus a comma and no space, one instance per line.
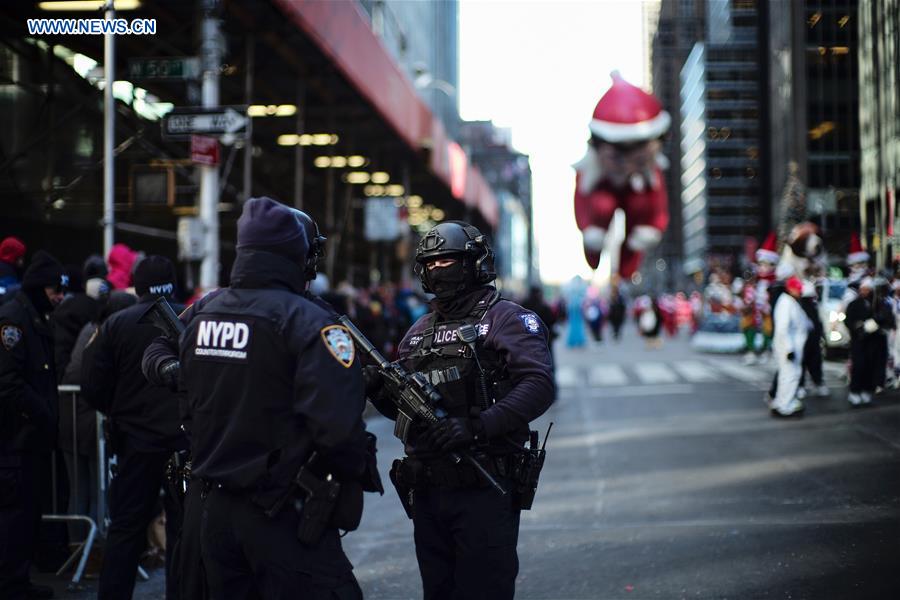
(456,239)
(316,244)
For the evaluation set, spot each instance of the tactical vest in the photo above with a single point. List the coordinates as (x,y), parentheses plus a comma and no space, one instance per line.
(453,368)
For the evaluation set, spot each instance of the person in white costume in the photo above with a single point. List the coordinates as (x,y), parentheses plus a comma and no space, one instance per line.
(791,329)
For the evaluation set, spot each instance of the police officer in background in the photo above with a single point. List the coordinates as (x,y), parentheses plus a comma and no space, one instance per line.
(145,426)
(273,387)
(28,419)
(465,531)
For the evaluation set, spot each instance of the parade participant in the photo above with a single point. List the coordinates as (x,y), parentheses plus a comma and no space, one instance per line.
(622,169)
(574,297)
(857,260)
(274,393)
(28,419)
(12,260)
(465,531)
(895,333)
(868,319)
(617,310)
(791,329)
(812,350)
(766,261)
(145,427)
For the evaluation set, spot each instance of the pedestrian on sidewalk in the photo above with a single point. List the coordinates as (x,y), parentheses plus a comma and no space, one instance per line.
(791,330)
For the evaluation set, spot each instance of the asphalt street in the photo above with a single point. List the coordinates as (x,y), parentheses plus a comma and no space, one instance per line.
(667,478)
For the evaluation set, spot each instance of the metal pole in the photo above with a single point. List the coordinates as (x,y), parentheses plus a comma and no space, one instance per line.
(211,55)
(249,69)
(109,134)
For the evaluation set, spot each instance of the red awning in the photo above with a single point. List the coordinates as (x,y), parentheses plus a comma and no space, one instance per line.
(342,32)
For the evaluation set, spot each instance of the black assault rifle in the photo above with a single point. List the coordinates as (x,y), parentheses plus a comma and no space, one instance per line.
(415,397)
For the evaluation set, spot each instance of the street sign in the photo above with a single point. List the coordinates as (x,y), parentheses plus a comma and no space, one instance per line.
(204,150)
(176,67)
(181,123)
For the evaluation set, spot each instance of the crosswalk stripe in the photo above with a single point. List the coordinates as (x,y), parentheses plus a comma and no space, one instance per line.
(695,371)
(568,377)
(743,373)
(603,375)
(655,373)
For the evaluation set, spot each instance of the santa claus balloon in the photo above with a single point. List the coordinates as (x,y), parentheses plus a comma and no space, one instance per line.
(623,169)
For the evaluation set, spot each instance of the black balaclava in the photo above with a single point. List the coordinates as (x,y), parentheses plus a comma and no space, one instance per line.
(455,289)
(447,282)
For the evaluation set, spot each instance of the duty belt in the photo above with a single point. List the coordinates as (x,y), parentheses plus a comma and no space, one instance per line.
(417,473)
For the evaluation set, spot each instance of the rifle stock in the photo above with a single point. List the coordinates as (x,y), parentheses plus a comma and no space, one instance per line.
(160,315)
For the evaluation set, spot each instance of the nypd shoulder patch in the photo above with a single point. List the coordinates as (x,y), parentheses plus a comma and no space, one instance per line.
(10,335)
(531,322)
(338,341)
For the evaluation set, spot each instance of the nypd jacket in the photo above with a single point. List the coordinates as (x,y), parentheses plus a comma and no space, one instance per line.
(112,382)
(270,378)
(28,395)
(512,346)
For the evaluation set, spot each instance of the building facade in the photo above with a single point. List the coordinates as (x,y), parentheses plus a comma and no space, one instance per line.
(812,110)
(723,206)
(508,172)
(677,27)
(879,120)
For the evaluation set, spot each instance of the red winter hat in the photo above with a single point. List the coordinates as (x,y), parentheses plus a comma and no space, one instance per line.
(11,250)
(857,254)
(627,114)
(794,284)
(768,252)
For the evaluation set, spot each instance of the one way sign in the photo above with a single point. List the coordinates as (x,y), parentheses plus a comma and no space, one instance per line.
(181,123)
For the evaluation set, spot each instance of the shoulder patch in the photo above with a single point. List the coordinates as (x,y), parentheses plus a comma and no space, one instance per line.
(338,341)
(531,322)
(10,335)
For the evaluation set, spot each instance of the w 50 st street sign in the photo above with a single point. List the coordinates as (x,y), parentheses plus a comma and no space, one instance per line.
(181,123)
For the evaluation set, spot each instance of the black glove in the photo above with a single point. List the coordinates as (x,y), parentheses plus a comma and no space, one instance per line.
(791,356)
(373,381)
(450,434)
(168,372)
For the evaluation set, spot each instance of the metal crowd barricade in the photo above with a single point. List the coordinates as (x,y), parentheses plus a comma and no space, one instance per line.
(84,548)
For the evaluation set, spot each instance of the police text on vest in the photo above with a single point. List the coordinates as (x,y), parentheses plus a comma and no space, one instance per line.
(222,339)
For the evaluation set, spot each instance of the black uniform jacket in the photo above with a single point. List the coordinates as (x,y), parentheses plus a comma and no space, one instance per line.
(861,309)
(28,396)
(520,339)
(68,319)
(270,377)
(112,382)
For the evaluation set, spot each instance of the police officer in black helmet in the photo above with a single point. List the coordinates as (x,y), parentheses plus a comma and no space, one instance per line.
(465,531)
(274,390)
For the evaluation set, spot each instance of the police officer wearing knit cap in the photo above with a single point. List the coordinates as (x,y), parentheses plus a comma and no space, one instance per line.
(272,380)
(28,418)
(465,532)
(145,425)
